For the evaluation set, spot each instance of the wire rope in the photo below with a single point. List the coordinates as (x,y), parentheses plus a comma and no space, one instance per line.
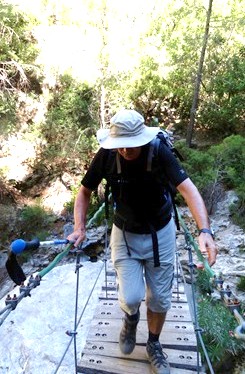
(76,323)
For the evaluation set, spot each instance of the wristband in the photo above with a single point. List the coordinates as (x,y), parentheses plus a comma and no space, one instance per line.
(207,231)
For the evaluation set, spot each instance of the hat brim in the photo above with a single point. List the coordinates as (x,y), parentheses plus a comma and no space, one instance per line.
(108,142)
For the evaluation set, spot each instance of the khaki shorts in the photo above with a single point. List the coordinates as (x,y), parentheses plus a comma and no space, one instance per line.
(136,275)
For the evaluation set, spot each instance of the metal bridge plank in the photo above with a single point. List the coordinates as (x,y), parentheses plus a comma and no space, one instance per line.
(173,334)
(111,309)
(112,294)
(101,354)
(91,364)
(187,359)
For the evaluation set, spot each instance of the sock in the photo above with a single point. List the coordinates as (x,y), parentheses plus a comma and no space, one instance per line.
(153,337)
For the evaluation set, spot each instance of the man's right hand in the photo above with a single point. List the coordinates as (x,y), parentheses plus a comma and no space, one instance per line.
(77,237)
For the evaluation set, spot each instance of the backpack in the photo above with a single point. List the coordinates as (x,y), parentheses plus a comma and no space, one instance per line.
(164,137)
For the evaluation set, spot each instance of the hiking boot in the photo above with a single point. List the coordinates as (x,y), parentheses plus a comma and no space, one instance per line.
(157,358)
(127,338)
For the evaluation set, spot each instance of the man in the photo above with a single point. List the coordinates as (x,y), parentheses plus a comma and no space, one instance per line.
(143,234)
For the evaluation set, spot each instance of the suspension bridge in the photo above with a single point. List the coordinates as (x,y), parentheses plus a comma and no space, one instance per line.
(102,354)
(181,337)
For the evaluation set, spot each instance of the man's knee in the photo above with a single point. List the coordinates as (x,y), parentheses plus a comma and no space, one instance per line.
(130,305)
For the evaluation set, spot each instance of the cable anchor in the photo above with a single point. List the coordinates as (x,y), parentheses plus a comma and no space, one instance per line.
(13,301)
(71,333)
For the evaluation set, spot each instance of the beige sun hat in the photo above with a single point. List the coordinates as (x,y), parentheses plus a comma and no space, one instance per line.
(127,130)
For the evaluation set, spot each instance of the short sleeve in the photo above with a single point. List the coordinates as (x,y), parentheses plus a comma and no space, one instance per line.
(96,170)
(172,168)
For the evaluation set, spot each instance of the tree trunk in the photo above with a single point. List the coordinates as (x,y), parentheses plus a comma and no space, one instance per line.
(194,106)
(102,107)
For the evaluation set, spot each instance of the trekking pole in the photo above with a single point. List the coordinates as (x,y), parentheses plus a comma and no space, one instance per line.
(15,272)
(17,275)
(19,245)
(78,251)
(73,333)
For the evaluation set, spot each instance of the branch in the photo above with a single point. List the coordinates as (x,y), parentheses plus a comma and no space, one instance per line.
(12,76)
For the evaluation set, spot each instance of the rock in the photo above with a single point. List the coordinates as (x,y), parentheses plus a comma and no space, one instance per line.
(215,295)
(68,229)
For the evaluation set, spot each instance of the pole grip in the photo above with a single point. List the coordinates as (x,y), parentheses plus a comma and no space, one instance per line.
(20,245)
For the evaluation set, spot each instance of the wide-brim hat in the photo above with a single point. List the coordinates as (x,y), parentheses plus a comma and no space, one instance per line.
(127,130)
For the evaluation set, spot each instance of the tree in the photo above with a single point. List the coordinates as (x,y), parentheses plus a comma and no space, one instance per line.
(17,56)
(191,125)
(17,49)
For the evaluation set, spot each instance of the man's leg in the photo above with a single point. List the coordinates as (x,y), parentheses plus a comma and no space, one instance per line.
(127,337)
(158,297)
(157,358)
(130,299)
(131,287)
(155,322)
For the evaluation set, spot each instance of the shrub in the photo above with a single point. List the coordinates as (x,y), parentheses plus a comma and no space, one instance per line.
(230,161)
(222,112)
(223,163)
(198,164)
(218,324)
(35,220)
(241,284)
(70,122)
(203,282)
(69,206)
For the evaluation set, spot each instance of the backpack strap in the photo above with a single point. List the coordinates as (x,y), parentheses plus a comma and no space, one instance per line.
(154,150)
(108,186)
(107,192)
(119,168)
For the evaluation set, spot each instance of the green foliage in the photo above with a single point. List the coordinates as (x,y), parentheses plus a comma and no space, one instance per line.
(69,206)
(16,41)
(241,284)
(223,110)
(224,163)
(230,157)
(198,164)
(149,87)
(230,161)
(203,282)
(97,214)
(218,322)
(117,89)
(70,122)
(35,220)
(17,57)
(96,209)
(95,206)
(182,34)
(221,98)
(8,112)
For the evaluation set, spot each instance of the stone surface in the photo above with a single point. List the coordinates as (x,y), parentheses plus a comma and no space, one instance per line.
(33,336)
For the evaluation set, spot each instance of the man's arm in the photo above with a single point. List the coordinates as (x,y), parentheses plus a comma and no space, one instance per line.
(199,212)
(80,215)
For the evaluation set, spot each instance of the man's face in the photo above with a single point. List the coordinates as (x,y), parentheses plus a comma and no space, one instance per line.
(129,153)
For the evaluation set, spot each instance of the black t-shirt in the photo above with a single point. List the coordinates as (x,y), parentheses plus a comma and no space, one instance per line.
(141,197)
